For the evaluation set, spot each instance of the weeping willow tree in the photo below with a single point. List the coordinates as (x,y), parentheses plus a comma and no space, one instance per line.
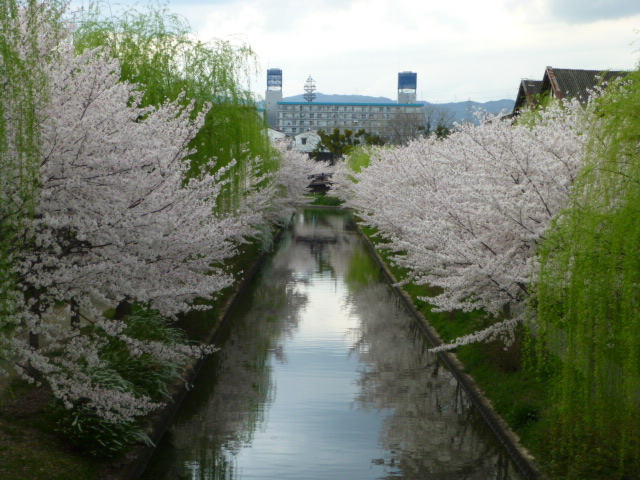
(589,302)
(22,94)
(158,51)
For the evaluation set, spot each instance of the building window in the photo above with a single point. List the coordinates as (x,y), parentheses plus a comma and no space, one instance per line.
(304,140)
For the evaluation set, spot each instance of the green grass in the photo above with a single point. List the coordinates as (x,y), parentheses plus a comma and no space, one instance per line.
(326,200)
(30,447)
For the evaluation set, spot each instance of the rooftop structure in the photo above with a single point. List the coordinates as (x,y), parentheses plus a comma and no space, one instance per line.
(310,90)
(528,93)
(273,94)
(407,87)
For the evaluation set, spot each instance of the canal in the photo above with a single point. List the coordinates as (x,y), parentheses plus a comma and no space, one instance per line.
(322,374)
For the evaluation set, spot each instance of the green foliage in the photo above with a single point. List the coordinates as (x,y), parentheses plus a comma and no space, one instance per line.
(587,301)
(442,131)
(157,50)
(140,375)
(334,146)
(22,93)
(94,436)
(358,158)
(325,200)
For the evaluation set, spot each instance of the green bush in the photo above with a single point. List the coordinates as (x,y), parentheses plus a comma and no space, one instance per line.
(141,375)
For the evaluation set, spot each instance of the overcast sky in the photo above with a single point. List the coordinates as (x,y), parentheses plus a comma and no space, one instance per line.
(460,49)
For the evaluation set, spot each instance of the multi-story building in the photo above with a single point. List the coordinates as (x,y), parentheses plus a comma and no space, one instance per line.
(294,118)
(374,118)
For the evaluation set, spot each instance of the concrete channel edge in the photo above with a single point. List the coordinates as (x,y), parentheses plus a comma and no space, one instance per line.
(509,440)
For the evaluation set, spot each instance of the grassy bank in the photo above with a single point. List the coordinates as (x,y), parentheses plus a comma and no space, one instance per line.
(30,447)
(507,376)
(321,199)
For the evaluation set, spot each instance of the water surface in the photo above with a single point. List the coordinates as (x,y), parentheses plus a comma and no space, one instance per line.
(322,374)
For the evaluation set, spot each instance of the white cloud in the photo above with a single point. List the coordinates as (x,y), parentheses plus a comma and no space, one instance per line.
(460,48)
(581,11)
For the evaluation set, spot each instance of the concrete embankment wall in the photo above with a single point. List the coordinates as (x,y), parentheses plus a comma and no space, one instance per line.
(523,458)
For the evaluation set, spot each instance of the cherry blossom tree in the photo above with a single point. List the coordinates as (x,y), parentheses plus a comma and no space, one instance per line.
(466,213)
(292,177)
(159,52)
(115,218)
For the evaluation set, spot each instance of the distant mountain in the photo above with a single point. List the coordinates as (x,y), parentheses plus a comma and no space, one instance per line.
(460,111)
(465,111)
(322,97)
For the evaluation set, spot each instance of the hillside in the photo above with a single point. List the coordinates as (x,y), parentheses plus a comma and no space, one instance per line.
(464,111)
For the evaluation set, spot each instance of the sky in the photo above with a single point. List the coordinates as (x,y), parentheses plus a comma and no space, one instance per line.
(461,50)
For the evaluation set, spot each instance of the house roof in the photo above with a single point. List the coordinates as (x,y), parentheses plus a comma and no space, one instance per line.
(527,93)
(569,83)
(563,83)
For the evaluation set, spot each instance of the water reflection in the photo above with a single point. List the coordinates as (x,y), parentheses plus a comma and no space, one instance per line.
(433,430)
(323,375)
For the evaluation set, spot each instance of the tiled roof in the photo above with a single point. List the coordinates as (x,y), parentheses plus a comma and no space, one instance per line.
(527,93)
(563,83)
(568,83)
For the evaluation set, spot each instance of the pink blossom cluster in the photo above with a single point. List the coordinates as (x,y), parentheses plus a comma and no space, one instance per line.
(466,213)
(116,219)
(292,179)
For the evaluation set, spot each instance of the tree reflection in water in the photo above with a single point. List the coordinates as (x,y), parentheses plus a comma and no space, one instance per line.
(226,406)
(394,388)
(431,429)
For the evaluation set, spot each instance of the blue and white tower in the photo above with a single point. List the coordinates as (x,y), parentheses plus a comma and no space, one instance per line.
(407,86)
(273,95)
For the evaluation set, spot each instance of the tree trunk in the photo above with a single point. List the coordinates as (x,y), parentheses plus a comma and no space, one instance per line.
(122,310)
(75,315)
